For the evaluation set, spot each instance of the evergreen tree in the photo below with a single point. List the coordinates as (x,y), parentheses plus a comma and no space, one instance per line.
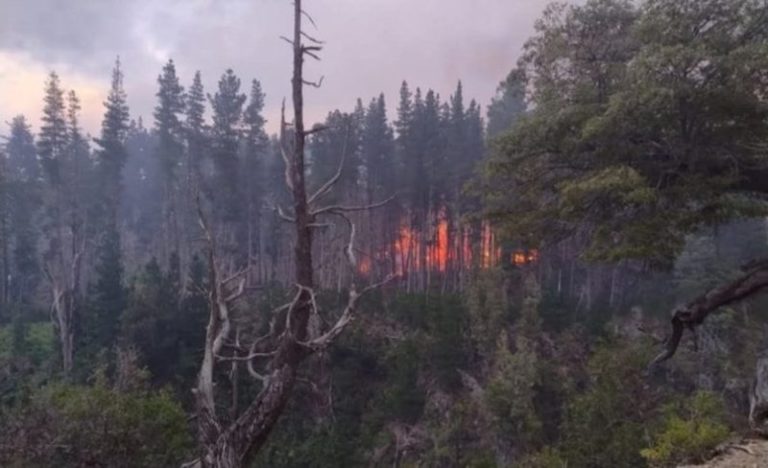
(52,140)
(150,321)
(20,149)
(107,298)
(253,177)
(169,154)
(107,294)
(227,106)
(377,147)
(112,154)
(22,200)
(142,191)
(326,149)
(508,105)
(195,132)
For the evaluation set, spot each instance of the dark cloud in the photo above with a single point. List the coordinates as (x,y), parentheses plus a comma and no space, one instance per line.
(371,44)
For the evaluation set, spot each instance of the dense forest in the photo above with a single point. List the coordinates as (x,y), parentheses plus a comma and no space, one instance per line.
(417,280)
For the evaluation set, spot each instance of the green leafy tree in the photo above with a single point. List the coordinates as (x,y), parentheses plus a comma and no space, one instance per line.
(635,140)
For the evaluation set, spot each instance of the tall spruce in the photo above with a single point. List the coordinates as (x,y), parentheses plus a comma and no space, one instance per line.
(112,154)
(169,154)
(107,293)
(227,104)
(23,202)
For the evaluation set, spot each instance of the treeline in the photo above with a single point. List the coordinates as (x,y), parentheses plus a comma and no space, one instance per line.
(82,217)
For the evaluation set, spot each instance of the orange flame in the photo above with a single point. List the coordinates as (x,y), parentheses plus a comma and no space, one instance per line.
(438,249)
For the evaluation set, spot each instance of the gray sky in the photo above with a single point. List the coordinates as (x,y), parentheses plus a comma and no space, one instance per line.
(371,46)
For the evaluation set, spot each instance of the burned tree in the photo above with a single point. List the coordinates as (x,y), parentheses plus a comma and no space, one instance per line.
(272,359)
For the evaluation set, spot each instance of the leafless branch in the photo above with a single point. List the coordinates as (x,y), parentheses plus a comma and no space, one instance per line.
(306,15)
(695,312)
(348,209)
(311,39)
(347,316)
(310,50)
(236,275)
(249,357)
(333,180)
(236,294)
(314,84)
(315,129)
(283,215)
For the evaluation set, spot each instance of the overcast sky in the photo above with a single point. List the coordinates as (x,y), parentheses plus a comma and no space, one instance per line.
(371,46)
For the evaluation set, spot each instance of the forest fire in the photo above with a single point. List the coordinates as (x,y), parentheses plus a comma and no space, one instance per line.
(442,249)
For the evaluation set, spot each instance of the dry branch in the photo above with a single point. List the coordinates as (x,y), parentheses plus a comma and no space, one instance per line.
(695,312)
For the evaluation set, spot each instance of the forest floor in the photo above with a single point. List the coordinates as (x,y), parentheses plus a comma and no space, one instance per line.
(750,453)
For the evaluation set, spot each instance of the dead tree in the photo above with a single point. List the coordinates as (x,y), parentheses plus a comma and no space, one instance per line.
(272,359)
(62,265)
(753,280)
(63,273)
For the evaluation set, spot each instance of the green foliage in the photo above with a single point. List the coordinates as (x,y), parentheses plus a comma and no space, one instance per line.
(487,307)
(690,430)
(631,136)
(606,425)
(107,298)
(71,425)
(511,392)
(403,398)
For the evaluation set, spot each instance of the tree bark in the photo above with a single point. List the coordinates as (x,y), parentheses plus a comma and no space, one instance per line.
(693,314)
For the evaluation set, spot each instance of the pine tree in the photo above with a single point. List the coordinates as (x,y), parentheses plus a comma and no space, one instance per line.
(169,154)
(22,200)
(112,154)
(107,298)
(65,241)
(508,105)
(142,191)
(404,119)
(195,130)
(377,151)
(107,294)
(20,149)
(52,140)
(227,106)
(226,193)
(256,147)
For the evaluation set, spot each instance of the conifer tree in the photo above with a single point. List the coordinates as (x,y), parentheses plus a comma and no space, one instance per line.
(64,237)
(227,106)
(22,200)
(52,140)
(169,154)
(508,105)
(112,154)
(253,177)
(195,132)
(107,300)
